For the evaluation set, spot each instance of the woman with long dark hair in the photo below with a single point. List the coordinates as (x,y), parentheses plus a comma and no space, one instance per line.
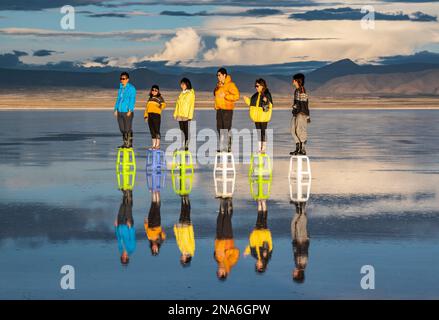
(261,107)
(152,114)
(184,109)
(300,119)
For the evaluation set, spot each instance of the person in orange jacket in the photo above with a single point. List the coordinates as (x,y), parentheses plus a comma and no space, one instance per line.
(225,254)
(226,94)
(153,229)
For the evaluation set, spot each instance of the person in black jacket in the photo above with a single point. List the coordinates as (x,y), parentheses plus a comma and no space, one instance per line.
(300,119)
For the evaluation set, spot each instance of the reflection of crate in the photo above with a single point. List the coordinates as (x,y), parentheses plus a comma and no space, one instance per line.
(155,181)
(260,187)
(125,168)
(224,174)
(155,161)
(182,172)
(260,165)
(299,178)
(126,160)
(126,180)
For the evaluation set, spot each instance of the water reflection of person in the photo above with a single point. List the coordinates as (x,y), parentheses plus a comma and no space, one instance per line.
(184,233)
(226,254)
(260,242)
(152,224)
(299,235)
(124,227)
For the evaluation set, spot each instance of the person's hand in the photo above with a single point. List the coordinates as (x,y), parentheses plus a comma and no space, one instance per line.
(129,114)
(246,98)
(265,99)
(115,113)
(146,119)
(246,254)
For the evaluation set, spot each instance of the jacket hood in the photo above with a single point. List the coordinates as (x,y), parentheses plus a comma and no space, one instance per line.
(228,79)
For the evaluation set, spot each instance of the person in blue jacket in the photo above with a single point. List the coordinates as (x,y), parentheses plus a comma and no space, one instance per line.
(124,109)
(124,228)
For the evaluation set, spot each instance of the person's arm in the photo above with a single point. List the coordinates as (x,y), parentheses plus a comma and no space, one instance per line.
(132,101)
(145,114)
(247,251)
(191,103)
(233,93)
(176,107)
(247,100)
(163,104)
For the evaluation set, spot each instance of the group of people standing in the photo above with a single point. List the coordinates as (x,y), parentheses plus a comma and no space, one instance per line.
(226,94)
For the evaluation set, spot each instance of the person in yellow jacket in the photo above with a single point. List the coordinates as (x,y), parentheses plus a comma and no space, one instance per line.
(184,109)
(184,233)
(260,242)
(153,229)
(225,254)
(261,107)
(152,114)
(226,94)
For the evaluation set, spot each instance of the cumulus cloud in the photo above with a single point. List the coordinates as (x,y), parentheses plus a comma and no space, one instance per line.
(349,40)
(185,46)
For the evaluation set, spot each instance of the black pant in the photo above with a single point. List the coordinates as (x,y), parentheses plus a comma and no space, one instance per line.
(154,120)
(261,220)
(224,119)
(184,126)
(185,213)
(125,122)
(224,228)
(154,218)
(262,126)
(125,213)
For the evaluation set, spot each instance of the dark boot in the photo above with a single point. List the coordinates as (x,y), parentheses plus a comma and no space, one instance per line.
(186,145)
(229,147)
(296,152)
(302,149)
(218,149)
(130,140)
(124,137)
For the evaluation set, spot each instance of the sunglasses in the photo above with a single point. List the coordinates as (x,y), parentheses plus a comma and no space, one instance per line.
(257,85)
(154,90)
(123,78)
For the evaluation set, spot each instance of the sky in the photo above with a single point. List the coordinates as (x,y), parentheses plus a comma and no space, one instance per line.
(203,33)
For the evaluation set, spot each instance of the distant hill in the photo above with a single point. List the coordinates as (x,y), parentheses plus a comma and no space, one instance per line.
(341,78)
(421,83)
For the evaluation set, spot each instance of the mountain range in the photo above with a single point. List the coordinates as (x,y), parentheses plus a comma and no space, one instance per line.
(412,77)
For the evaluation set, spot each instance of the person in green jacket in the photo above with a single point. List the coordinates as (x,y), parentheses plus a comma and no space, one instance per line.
(184,109)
